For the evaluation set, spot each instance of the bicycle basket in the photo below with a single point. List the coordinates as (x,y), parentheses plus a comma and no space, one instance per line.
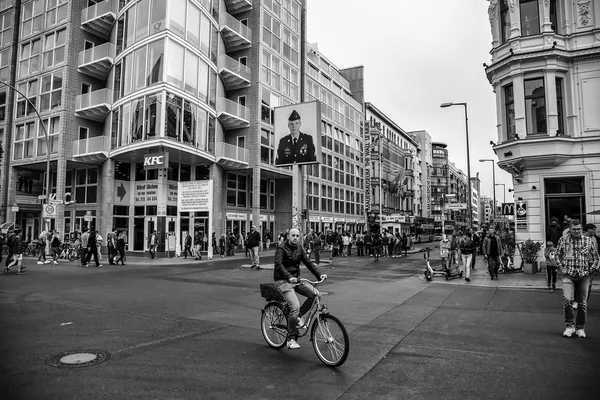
(270,293)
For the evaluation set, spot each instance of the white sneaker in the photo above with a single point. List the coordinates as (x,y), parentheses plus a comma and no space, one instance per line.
(301,322)
(292,344)
(47,262)
(55,262)
(40,263)
(580,333)
(569,331)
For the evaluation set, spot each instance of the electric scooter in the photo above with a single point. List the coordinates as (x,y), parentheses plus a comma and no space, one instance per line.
(429,271)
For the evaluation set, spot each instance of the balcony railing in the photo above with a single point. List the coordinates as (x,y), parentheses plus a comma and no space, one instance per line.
(231,156)
(232,115)
(235,74)
(99,18)
(97,61)
(92,150)
(238,6)
(94,105)
(235,34)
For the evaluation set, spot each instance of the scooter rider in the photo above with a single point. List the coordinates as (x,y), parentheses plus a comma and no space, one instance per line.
(286,275)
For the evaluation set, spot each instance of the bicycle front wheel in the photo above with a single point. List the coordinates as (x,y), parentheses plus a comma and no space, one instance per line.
(330,340)
(73,255)
(273,325)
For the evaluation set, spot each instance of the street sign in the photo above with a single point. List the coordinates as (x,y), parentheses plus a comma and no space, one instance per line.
(15,209)
(42,197)
(56,201)
(49,211)
(456,206)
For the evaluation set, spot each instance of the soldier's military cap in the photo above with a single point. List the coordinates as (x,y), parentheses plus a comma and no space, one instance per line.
(294,116)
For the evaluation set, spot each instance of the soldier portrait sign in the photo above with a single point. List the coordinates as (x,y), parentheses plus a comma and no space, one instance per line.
(298,134)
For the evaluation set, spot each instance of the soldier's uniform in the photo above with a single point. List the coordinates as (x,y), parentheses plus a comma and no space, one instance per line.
(301,150)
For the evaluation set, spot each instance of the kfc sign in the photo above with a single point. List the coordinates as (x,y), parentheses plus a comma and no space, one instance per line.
(156,161)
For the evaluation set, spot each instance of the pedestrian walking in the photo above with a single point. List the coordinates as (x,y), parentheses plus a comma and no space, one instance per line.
(368,238)
(589,230)
(222,245)
(253,246)
(577,258)
(316,247)
(187,245)
(492,247)
(55,245)
(15,249)
(92,249)
(376,246)
(111,244)
(214,243)
(551,267)
(360,244)
(41,248)
(467,248)
(120,249)
(197,244)
(85,236)
(152,243)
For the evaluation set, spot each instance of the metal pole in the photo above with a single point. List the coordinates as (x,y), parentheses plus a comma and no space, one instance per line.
(469,200)
(380,187)
(45,135)
(503,189)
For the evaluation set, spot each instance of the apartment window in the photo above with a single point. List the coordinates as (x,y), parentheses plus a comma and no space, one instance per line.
(54,48)
(139,68)
(290,82)
(152,110)
(535,106)
(53,128)
(559,107)
(2,106)
(290,46)
(237,190)
(30,57)
(270,71)
(6,31)
(177,17)
(271,32)
(32,18)
(267,147)
(30,90)
(86,185)
(193,25)
(51,91)
(156,52)
(191,73)
(175,70)
(173,116)
(56,11)
(4,55)
(554,17)
(530,18)
(24,141)
(141,23)
(509,111)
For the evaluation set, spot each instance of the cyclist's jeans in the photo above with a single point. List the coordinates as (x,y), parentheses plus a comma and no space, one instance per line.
(575,289)
(289,294)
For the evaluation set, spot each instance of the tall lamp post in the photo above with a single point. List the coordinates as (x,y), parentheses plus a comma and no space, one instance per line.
(503,189)
(493,180)
(45,135)
(470,194)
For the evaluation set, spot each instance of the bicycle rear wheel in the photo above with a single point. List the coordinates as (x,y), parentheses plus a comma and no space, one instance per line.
(330,340)
(273,325)
(73,255)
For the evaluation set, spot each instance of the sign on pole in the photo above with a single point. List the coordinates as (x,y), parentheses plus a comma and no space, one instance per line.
(197,196)
(49,211)
(456,206)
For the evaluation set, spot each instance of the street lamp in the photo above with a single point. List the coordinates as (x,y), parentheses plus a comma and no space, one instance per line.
(45,135)
(470,194)
(493,180)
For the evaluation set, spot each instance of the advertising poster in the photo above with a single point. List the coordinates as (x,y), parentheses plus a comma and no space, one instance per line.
(298,134)
(521,215)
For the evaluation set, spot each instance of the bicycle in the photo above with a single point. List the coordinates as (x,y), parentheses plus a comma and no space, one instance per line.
(30,250)
(70,253)
(327,333)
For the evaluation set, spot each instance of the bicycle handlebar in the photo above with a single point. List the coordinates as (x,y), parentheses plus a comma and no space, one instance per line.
(309,281)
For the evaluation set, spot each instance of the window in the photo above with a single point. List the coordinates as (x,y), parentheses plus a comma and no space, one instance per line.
(139,68)
(290,82)
(24,140)
(56,11)
(30,57)
(509,111)
(530,19)
(51,91)
(4,56)
(267,147)
(191,73)
(559,107)
(32,18)
(504,21)
(237,190)
(53,128)
(155,62)
(54,48)
(6,31)
(175,70)
(173,117)
(554,17)
(535,106)
(137,119)
(86,185)
(270,71)
(152,110)
(177,14)
(290,46)
(271,32)
(2,106)
(141,23)
(30,90)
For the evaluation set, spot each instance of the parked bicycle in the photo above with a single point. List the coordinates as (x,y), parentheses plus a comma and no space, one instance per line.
(327,333)
(31,250)
(70,252)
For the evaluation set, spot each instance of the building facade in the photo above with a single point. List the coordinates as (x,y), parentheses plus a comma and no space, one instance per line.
(545,71)
(138,96)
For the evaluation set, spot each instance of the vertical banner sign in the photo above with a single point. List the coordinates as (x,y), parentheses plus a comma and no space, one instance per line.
(367,153)
(521,215)
(197,196)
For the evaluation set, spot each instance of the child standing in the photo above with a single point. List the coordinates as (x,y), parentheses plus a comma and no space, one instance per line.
(550,265)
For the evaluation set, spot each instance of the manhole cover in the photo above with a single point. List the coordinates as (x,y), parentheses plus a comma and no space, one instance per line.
(78,359)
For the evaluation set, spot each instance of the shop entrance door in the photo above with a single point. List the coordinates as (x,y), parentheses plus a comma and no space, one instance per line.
(138,234)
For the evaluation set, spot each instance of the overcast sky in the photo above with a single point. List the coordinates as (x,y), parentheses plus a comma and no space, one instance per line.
(417,55)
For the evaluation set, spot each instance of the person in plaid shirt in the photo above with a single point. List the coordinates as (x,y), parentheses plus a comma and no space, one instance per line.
(577,257)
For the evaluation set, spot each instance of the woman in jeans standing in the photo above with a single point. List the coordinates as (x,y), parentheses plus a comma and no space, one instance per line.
(55,247)
(468,247)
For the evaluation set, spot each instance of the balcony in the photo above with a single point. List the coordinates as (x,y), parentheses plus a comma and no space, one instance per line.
(235,35)
(99,18)
(232,115)
(97,61)
(94,105)
(234,74)
(408,193)
(238,6)
(231,157)
(93,150)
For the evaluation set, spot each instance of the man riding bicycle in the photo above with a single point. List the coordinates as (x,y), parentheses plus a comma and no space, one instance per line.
(286,274)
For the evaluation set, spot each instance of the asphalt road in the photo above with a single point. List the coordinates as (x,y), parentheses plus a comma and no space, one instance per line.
(178,330)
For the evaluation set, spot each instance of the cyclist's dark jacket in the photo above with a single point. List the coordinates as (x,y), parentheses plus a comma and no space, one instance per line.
(287,262)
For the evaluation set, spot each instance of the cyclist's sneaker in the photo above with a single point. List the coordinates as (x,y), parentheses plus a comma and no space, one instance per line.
(301,323)
(580,333)
(569,331)
(292,344)
(40,263)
